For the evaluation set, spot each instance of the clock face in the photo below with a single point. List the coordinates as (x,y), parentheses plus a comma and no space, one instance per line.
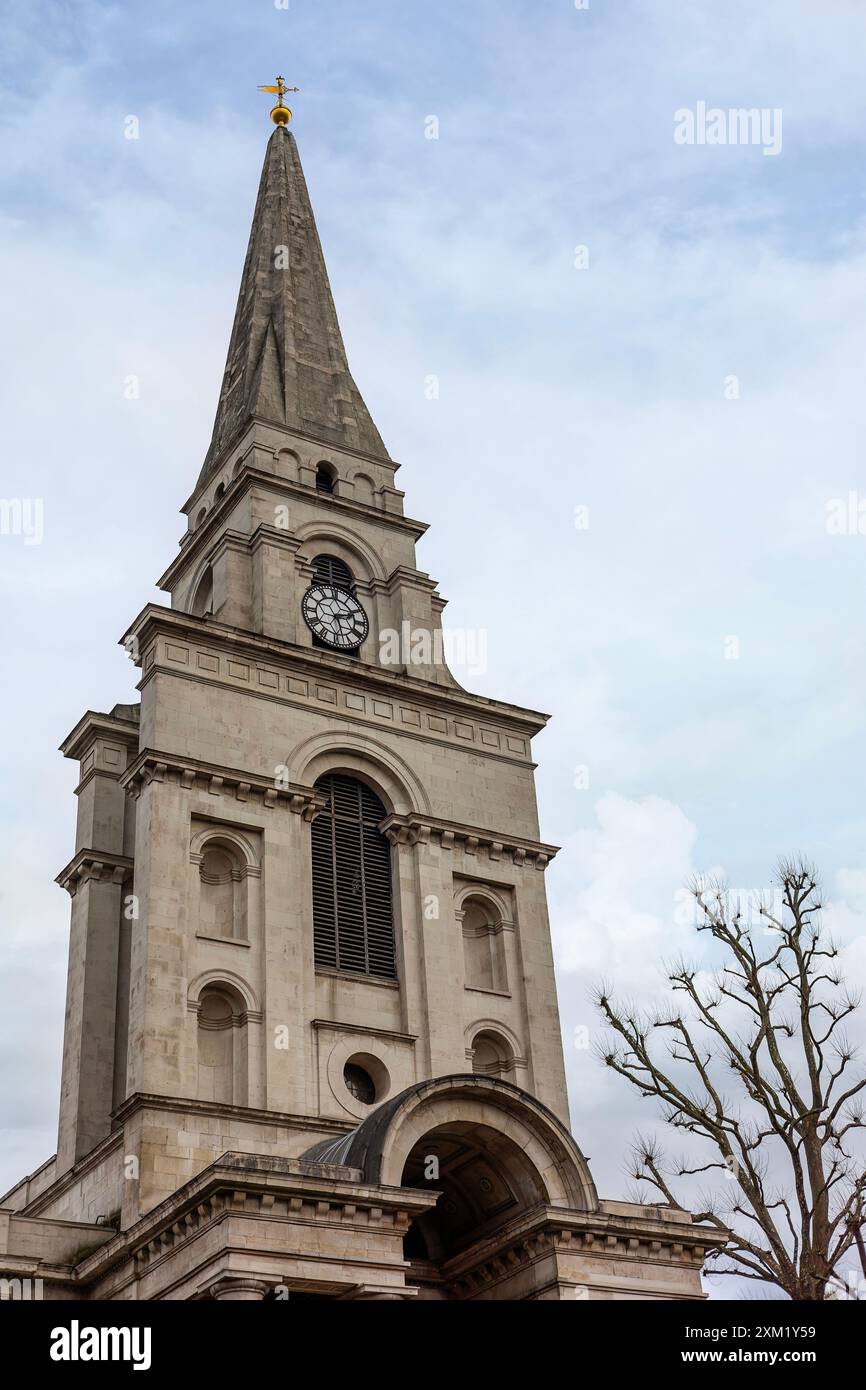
(335,616)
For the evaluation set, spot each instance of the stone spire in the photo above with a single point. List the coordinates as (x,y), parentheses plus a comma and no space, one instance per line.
(286,362)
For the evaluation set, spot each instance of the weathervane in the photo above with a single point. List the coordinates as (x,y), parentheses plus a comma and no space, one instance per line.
(280,114)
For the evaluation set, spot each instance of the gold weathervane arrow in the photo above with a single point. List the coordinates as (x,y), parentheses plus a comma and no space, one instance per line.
(280,114)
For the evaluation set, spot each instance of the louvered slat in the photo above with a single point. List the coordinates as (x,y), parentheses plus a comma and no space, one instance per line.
(329,569)
(324,934)
(353,926)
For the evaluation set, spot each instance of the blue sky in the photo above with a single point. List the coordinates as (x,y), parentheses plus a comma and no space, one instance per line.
(559,388)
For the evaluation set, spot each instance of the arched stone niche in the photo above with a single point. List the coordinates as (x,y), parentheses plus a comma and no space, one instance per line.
(225,865)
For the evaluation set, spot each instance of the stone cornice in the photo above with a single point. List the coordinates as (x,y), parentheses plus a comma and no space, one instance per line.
(274,536)
(170,1105)
(546,1230)
(143,1100)
(154,618)
(327,446)
(92,725)
(95,866)
(263,1186)
(198,541)
(192,774)
(334,1026)
(417,829)
(405,578)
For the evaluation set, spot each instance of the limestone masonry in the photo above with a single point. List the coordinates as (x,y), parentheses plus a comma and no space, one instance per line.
(312,1046)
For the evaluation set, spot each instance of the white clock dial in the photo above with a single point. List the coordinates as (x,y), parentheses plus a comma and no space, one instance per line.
(335,616)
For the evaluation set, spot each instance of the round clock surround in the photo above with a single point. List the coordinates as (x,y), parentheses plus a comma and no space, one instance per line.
(335,616)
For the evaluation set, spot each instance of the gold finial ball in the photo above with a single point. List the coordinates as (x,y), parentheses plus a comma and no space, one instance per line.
(281,115)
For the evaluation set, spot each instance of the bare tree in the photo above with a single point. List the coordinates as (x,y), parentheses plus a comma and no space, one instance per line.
(771,1021)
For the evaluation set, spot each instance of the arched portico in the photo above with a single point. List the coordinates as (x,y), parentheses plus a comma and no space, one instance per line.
(485,1181)
(492,1152)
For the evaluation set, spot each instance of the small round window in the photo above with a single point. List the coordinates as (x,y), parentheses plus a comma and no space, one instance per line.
(359,1083)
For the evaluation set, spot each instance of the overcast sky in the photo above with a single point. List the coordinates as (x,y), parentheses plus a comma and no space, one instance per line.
(628,471)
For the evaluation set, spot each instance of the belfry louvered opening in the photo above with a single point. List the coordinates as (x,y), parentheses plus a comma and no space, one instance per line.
(353,927)
(329,569)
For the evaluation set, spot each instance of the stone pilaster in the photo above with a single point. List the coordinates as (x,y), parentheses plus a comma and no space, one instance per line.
(99,880)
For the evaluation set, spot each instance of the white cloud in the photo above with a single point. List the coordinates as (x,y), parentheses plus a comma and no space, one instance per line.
(616,909)
(614,896)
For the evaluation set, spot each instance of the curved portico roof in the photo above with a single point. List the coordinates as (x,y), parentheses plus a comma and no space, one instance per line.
(381,1144)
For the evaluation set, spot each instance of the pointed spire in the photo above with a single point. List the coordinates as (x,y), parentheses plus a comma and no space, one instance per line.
(286,362)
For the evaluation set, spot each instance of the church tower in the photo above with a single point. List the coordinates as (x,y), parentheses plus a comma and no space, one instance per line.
(337,883)
(310,976)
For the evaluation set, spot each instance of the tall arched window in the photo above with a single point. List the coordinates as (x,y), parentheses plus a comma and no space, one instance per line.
(353,926)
